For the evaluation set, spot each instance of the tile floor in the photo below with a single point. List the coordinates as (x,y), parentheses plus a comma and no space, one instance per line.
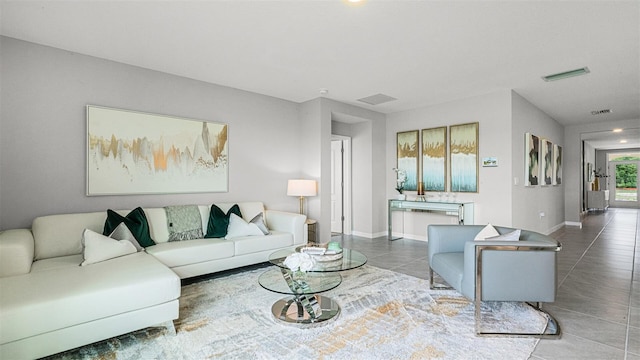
(598,302)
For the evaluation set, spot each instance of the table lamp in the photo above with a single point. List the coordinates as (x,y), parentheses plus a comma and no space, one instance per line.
(302,188)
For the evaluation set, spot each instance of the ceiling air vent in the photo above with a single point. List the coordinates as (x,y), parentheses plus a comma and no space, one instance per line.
(566,74)
(600,112)
(377,99)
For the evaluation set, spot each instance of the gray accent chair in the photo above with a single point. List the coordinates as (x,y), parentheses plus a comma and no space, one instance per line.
(496,270)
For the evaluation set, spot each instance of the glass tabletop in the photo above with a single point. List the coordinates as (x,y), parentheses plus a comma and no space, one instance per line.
(282,281)
(351,259)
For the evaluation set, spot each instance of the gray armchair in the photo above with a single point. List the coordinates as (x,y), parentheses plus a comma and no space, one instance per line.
(496,270)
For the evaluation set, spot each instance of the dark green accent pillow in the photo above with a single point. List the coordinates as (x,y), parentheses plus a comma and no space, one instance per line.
(136,221)
(219,221)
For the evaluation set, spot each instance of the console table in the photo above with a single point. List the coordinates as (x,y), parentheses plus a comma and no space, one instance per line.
(598,200)
(464,211)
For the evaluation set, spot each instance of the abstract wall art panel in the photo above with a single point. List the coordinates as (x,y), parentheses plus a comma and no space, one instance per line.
(434,159)
(463,150)
(132,152)
(407,144)
(547,161)
(557,164)
(532,160)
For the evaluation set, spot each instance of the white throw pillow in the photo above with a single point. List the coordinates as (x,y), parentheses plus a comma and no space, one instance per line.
(98,247)
(122,232)
(511,236)
(487,232)
(260,223)
(238,227)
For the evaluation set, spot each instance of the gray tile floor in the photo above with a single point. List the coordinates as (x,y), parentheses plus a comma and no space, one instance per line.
(598,302)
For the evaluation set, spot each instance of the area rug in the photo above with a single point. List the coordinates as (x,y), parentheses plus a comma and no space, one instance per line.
(384,315)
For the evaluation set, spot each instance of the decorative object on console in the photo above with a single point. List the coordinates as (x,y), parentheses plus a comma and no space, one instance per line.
(219,221)
(401,178)
(532,160)
(132,152)
(407,157)
(434,159)
(136,221)
(463,152)
(302,188)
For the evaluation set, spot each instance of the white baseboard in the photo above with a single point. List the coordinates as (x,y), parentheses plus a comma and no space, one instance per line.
(574,223)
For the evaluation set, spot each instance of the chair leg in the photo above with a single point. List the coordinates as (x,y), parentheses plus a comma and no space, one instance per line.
(551,331)
(433,286)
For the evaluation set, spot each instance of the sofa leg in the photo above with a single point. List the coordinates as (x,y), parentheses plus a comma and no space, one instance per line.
(171,329)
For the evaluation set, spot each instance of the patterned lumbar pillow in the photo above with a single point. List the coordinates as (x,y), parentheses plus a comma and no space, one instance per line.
(238,227)
(98,248)
(122,232)
(259,221)
(136,221)
(510,236)
(487,232)
(219,221)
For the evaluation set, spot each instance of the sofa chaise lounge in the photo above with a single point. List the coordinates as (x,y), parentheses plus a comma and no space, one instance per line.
(49,304)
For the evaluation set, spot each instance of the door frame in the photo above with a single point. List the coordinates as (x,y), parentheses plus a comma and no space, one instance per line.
(611,185)
(346,188)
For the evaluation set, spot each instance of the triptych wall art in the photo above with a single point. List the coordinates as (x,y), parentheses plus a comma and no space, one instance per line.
(543,161)
(131,152)
(424,153)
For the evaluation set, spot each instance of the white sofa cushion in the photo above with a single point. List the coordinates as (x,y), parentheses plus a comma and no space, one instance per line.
(252,244)
(179,253)
(60,235)
(46,301)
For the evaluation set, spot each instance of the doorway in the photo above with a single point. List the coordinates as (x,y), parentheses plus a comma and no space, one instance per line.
(340,185)
(623,183)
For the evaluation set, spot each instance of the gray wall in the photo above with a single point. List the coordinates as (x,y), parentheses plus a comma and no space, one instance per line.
(528,202)
(43,132)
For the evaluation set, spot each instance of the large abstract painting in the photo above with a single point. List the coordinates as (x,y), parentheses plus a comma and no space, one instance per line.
(407,143)
(131,152)
(532,163)
(547,157)
(463,150)
(557,164)
(434,159)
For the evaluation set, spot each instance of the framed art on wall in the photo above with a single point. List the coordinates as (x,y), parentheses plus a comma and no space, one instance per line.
(463,152)
(532,156)
(434,159)
(547,161)
(557,164)
(132,152)
(407,155)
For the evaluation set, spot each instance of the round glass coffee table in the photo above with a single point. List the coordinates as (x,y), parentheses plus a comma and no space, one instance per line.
(310,307)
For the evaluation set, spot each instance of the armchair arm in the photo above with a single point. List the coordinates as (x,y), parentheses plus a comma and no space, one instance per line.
(16,252)
(522,270)
(287,222)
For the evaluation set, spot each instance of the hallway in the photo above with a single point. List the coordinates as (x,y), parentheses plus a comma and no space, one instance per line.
(598,301)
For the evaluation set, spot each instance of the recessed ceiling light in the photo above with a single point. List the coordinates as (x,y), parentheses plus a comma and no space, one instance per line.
(623,141)
(601,112)
(617,130)
(566,74)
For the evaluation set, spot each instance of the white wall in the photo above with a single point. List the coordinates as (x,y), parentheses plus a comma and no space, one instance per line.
(493,200)
(529,202)
(43,132)
(573,162)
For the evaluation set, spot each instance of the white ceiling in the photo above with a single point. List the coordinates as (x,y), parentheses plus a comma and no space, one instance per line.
(420,52)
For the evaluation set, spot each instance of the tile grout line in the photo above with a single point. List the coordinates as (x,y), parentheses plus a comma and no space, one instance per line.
(633,268)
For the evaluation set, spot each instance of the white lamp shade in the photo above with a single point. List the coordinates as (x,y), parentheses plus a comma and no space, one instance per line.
(299,187)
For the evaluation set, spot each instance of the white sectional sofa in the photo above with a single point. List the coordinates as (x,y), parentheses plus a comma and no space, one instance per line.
(49,304)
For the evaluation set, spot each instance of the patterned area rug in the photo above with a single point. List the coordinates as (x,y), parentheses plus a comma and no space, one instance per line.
(385,315)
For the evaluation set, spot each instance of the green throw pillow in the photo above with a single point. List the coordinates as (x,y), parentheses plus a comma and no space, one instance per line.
(136,221)
(219,221)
